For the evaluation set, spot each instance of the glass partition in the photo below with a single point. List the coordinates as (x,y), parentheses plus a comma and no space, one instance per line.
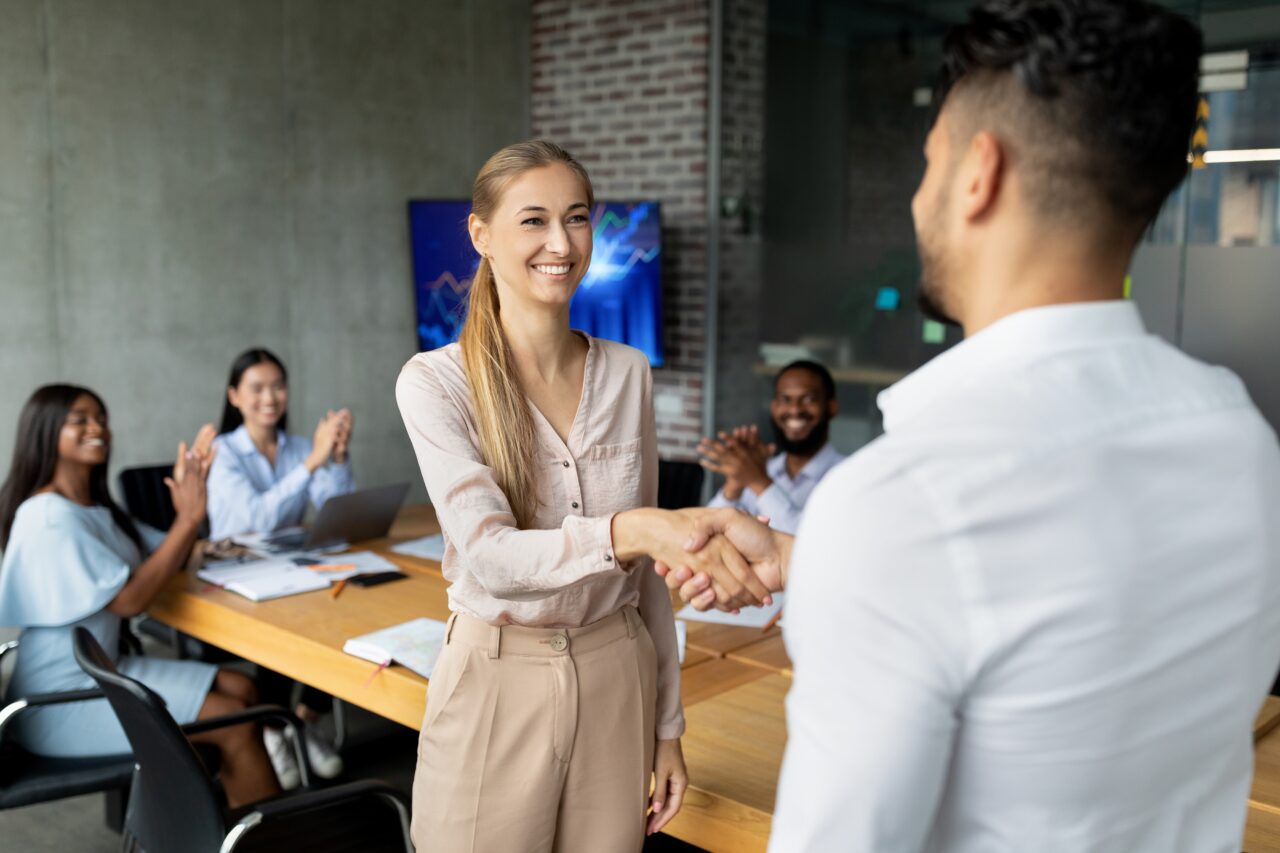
(831,271)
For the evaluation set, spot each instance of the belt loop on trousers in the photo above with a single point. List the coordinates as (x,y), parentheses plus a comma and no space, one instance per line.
(495,641)
(448,631)
(632,617)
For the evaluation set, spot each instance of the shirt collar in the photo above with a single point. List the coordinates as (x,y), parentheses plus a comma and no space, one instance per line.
(241,441)
(817,465)
(1017,338)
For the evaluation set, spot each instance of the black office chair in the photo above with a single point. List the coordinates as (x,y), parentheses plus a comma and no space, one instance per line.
(147,497)
(176,805)
(679,484)
(27,779)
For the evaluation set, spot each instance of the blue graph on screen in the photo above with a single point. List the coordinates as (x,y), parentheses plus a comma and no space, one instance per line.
(619,299)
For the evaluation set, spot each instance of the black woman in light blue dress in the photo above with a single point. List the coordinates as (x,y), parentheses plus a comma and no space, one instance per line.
(73,559)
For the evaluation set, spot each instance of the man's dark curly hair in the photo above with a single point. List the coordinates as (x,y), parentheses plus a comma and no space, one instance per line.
(1093,100)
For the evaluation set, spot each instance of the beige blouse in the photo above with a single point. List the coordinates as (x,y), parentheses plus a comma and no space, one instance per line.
(561,572)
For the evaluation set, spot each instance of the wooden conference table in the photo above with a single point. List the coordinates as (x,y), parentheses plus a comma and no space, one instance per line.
(734,681)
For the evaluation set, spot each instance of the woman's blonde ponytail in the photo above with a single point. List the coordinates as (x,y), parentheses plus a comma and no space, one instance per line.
(508,439)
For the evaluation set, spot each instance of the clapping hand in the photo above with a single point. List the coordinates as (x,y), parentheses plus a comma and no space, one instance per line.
(331,438)
(740,457)
(766,551)
(345,424)
(190,471)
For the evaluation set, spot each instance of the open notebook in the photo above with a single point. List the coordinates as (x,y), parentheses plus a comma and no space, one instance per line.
(414,645)
(262,580)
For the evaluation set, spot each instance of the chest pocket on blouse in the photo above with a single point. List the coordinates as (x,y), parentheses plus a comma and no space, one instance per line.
(611,476)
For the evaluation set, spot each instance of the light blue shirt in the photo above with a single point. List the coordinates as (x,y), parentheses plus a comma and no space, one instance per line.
(783,502)
(247,494)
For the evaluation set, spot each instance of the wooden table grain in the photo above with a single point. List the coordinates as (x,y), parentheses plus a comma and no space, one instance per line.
(733,748)
(719,640)
(301,636)
(1262,827)
(769,653)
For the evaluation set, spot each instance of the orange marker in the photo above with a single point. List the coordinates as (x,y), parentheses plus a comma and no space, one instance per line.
(337,589)
(772,621)
(327,567)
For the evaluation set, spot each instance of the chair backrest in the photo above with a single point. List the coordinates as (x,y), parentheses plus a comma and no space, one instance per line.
(679,484)
(146,497)
(173,804)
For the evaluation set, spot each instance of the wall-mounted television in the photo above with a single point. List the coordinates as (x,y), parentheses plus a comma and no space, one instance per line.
(619,299)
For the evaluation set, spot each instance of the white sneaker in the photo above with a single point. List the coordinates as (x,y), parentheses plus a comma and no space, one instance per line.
(283,759)
(323,755)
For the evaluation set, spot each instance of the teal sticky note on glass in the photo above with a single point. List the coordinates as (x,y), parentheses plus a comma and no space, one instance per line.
(934,332)
(888,299)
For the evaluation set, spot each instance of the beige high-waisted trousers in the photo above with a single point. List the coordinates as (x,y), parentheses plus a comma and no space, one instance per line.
(537,739)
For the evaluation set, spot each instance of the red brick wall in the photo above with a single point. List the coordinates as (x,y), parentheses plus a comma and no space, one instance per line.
(622,84)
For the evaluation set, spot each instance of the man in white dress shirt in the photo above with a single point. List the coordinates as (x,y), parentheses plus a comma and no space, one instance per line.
(778,486)
(1041,611)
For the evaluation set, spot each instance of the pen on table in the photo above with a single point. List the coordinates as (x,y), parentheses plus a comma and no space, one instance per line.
(773,620)
(337,588)
(332,567)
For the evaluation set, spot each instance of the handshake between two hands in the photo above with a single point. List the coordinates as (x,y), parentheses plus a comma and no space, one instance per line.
(729,559)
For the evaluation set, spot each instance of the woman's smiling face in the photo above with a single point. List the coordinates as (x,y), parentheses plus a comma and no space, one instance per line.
(539,236)
(85,437)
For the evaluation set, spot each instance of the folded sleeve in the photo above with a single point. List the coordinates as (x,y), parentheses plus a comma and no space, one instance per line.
(57,571)
(475,514)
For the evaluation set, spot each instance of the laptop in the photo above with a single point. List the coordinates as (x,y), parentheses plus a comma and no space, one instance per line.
(353,517)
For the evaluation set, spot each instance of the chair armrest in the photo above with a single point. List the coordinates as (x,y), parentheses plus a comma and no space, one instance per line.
(292,804)
(5,648)
(258,713)
(327,797)
(35,700)
(249,715)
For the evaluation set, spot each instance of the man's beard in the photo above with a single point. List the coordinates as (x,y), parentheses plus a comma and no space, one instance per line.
(804,447)
(933,273)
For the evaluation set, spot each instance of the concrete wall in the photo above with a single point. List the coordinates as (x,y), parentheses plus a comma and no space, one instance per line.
(179,181)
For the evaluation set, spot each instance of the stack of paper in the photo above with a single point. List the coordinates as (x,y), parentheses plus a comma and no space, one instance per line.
(261,580)
(414,644)
(428,547)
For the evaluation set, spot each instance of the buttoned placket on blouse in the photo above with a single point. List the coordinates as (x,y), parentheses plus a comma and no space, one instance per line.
(568,466)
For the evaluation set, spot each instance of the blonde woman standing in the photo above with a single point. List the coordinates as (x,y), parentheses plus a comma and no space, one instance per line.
(556,700)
